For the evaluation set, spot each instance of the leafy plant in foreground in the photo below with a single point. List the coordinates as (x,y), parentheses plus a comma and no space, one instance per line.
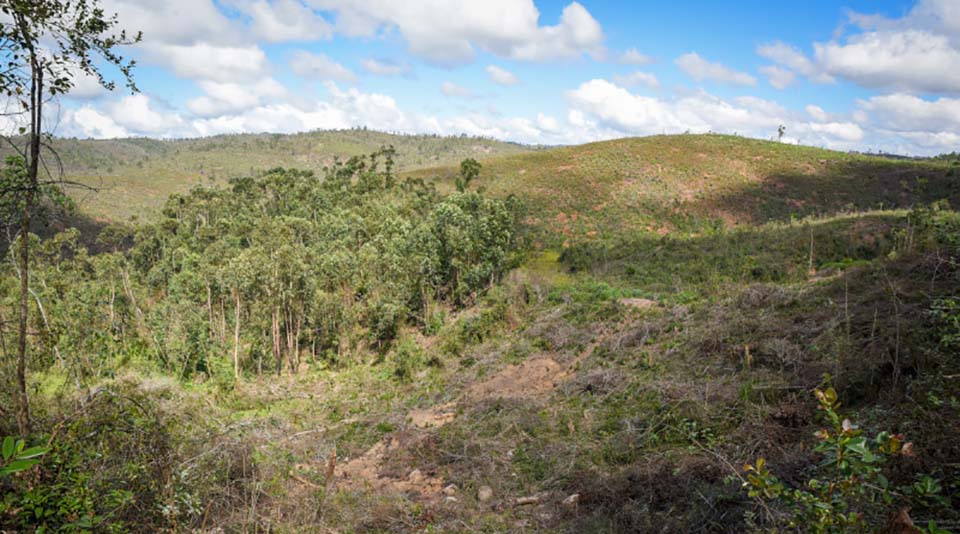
(851,479)
(17,458)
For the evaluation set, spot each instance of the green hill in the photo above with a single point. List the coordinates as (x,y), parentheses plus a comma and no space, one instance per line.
(688,183)
(135,176)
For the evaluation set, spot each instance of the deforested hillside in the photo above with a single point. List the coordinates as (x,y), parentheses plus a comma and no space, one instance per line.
(690,183)
(666,334)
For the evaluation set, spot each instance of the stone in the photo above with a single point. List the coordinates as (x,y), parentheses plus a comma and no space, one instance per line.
(415,476)
(485,493)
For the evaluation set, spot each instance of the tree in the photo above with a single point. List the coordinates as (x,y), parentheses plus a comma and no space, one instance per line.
(44,44)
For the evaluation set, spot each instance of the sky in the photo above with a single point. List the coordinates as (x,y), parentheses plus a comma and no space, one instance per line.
(878,75)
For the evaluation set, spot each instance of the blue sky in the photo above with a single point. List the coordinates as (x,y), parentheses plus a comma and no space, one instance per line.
(863,75)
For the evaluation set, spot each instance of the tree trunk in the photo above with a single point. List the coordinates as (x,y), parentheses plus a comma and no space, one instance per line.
(36,101)
(236,339)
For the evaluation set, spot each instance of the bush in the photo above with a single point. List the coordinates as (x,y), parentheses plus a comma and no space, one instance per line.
(851,488)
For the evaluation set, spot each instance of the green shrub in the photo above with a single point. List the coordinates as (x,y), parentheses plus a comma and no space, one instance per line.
(850,487)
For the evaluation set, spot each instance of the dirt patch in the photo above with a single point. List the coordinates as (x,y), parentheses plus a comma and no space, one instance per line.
(364,473)
(530,378)
(433,417)
(640,303)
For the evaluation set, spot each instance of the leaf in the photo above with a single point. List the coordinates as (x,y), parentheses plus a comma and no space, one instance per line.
(33,452)
(8,445)
(18,465)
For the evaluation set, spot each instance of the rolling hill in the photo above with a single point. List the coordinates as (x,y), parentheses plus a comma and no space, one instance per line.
(135,176)
(688,183)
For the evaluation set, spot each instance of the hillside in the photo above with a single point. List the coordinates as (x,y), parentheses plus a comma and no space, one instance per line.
(135,176)
(366,354)
(689,183)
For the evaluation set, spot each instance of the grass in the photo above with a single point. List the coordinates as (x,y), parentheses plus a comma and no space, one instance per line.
(697,183)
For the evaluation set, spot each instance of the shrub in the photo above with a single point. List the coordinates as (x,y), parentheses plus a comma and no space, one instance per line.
(850,486)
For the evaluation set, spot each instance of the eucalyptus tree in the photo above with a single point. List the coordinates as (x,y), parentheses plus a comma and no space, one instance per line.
(44,46)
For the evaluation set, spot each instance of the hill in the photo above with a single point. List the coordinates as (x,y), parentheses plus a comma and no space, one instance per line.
(135,176)
(689,183)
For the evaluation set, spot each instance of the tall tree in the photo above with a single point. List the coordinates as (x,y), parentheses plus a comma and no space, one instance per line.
(44,45)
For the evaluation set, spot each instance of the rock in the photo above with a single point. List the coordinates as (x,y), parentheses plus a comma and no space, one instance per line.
(485,493)
(572,501)
(415,476)
(450,490)
(523,501)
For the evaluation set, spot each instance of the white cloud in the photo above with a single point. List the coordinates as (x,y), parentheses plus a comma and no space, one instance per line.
(208,62)
(605,109)
(904,112)
(700,69)
(919,52)
(224,98)
(501,76)
(638,78)
(791,59)
(817,113)
(182,22)
(842,131)
(912,60)
(284,20)
(88,122)
(454,90)
(779,77)
(136,115)
(319,67)
(634,57)
(385,67)
(449,32)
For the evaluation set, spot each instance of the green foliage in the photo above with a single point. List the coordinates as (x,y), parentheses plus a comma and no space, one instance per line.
(469,171)
(851,481)
(946,313)
(285,269)
(17,458)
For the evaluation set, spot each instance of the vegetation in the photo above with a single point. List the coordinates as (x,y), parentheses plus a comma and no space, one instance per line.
(370,350)
(44,44)
(133,177)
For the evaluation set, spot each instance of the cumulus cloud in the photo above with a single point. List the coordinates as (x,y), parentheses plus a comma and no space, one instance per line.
(210,62)
(790,59)
(918,52)
(913,60)
(500,76)
(609,109)
(284,20)
(454,90)
(319,67)
(182,22)
(385,67)
(700,69)
(224,98)
(88,122)
(634,57)
(779,77)
(638,78)
(449,32)
(904,112)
